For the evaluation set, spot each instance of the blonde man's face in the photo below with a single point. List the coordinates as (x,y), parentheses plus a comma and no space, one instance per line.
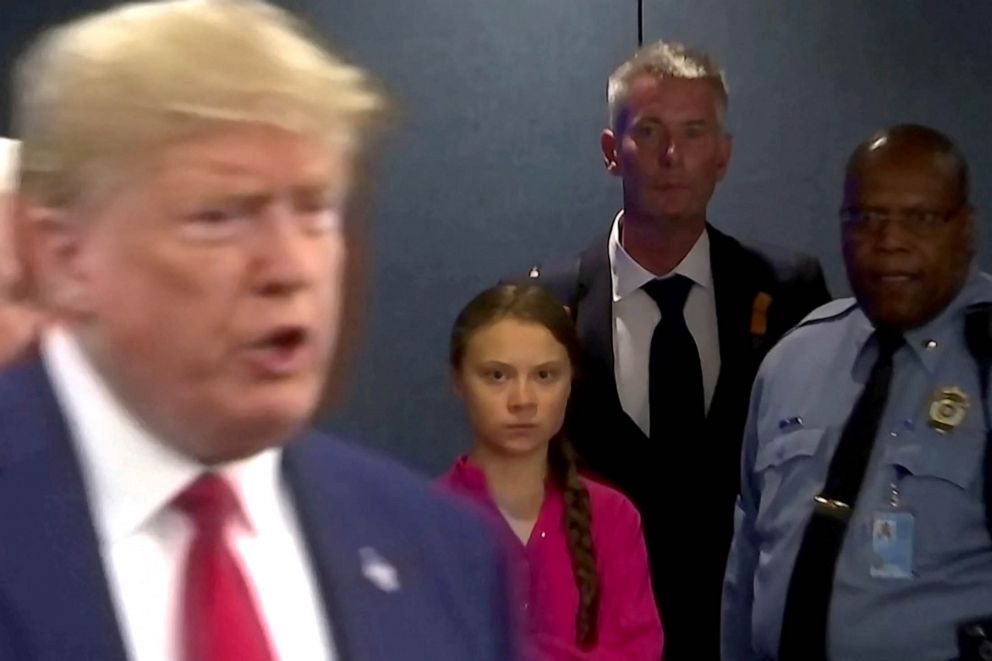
(207,292)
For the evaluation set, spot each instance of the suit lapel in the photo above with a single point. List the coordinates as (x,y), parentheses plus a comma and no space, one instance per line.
(319,502)
(368,622)
(50,563)
(595,327)
(600,395)
(734,291)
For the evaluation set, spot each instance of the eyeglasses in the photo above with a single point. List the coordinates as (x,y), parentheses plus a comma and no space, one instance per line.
(918,221)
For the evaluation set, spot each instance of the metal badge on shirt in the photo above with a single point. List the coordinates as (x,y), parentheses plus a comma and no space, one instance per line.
(948,409)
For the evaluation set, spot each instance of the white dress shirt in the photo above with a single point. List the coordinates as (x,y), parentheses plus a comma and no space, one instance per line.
(131,478)
(635,315)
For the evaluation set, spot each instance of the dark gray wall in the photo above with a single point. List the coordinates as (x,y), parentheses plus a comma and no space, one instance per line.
(496,162)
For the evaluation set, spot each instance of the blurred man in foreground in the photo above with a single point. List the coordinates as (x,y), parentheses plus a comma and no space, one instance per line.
(185,166)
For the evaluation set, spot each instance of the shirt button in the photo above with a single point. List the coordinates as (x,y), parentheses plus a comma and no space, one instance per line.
(526,605)
(930,344)
(543,534)
(893,433)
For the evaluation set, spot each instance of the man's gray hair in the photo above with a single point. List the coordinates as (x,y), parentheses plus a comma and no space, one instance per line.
(666,59)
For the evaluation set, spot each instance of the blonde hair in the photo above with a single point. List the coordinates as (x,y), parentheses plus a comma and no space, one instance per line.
(666,59)
(102,95)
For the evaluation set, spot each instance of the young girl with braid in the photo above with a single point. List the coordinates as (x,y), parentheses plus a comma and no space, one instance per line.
(579,545)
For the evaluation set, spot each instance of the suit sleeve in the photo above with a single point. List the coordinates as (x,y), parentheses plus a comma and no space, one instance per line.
(738,586)
(506,628)
(629,626)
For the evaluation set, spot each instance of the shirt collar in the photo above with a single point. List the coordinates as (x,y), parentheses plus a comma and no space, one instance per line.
(131,474)
(468,477)
(929,341)
(628,276)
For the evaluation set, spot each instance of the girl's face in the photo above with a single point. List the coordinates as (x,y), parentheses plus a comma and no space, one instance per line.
(515,378)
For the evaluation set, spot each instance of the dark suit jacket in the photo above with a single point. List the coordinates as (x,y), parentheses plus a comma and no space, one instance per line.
(684,489)
(55,602)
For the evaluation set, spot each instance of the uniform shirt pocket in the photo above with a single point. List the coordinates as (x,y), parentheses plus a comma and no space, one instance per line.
(786,467)
(953,460)
(938,481)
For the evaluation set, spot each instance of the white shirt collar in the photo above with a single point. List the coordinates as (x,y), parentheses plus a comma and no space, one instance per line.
(131,475)
(628,276)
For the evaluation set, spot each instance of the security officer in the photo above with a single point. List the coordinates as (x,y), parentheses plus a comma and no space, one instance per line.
(861,527)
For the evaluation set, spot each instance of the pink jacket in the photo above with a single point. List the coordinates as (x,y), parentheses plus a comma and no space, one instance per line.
(629,625)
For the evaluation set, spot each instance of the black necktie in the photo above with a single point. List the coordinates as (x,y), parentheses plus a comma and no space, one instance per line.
(804,622)
(675,384)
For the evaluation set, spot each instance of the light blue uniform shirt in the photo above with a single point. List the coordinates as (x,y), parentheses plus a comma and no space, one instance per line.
(802,397)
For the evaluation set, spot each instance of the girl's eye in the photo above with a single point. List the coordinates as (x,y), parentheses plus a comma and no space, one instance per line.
(496,375)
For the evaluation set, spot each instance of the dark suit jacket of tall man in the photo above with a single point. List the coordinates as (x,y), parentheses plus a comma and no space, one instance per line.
(685,488)
(449,602)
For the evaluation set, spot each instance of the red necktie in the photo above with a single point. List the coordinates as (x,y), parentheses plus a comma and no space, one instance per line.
(219,619)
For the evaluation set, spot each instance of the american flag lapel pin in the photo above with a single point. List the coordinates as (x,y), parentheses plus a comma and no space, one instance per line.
(378,570)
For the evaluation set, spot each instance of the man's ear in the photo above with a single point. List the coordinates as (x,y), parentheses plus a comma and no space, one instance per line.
(610,146)
(53,251)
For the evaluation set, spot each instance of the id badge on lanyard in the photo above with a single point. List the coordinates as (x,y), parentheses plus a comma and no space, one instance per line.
(892,534)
